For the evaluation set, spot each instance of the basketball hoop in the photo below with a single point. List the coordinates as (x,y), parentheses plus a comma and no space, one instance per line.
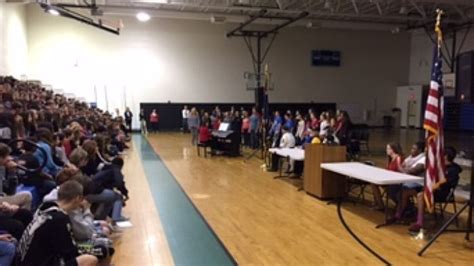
(251,81)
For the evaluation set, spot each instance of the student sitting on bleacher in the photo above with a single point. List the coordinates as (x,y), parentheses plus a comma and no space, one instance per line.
(7,248)
(21,199)
(48,238)
(93,161)
(42,182)
(45,141)
(89,233)
(103,199)
(442,192)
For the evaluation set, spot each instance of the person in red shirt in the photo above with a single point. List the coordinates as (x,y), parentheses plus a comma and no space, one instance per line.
(217,123)
(154,120)
(313,120)
(204,134)
(246,129)
(395,159)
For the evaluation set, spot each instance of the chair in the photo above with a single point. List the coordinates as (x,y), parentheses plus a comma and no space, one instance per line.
(353,183)
(441,205)
(204,146)
(364,136)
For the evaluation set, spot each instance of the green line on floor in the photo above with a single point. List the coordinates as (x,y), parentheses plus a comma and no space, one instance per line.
(192,242)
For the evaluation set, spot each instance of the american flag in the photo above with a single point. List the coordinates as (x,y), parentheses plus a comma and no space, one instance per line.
(433,125)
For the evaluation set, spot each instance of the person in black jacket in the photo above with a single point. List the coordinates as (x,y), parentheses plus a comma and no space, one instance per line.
(128,119)
(111,177)
(452,172)
(48,238)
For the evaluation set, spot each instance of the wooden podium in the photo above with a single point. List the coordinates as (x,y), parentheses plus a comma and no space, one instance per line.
(317,181)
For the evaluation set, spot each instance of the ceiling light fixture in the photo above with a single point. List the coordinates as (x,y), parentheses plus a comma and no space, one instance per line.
(143,17)
(53,11)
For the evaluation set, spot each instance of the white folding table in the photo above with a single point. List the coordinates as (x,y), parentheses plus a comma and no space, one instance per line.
(296,154)
(373,175)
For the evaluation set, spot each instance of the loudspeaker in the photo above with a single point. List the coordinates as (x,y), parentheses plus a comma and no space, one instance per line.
(465,77)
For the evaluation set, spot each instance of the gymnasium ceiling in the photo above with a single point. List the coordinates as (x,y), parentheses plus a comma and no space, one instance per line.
(408,13)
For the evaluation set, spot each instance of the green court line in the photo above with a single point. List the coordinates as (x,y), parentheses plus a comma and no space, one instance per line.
(191,240)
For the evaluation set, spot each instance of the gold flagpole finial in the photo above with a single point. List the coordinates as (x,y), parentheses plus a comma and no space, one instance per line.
(438,31)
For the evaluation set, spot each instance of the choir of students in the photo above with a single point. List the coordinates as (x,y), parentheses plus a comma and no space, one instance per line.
(308,129)
(80,191)
(330,128)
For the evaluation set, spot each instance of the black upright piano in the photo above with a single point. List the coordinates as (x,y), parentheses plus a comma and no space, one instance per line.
(226,141)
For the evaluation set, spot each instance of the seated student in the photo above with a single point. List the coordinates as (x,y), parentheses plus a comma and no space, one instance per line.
(44,183)
(22,199)
(204,134)
(105,201)
(394,154)
(413,165)
(287,139)
(14,219)
(442,192)
(111,178)
(45,139)
(93,161)
(48,238)
(7,249)
(103,152)
(60,149)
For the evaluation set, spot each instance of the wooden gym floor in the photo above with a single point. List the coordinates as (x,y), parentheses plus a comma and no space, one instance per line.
(260,221)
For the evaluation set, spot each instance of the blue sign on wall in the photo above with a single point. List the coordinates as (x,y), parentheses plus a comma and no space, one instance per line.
(325,58)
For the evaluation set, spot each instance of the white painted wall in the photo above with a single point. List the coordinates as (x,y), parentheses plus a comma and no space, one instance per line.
(13,40)
(421,56)
(192,61)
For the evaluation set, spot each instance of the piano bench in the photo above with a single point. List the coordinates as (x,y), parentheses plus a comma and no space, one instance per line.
(204,146)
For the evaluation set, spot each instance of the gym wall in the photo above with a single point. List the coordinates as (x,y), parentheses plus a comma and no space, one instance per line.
(13,43)
(192,61)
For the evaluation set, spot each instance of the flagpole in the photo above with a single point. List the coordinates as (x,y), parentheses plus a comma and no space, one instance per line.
(434,132)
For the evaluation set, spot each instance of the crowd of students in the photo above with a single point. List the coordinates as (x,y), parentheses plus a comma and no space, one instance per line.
(74,201)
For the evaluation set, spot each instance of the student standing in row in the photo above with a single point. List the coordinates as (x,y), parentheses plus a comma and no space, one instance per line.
(193,125)
(128,119)
(185,114)
(143,127)
(154,120)
(254,127)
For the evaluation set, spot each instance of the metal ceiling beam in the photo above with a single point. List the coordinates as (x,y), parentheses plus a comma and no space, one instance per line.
(248,22)
(418,8)
(351,10)
(356,9)
(281,26)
